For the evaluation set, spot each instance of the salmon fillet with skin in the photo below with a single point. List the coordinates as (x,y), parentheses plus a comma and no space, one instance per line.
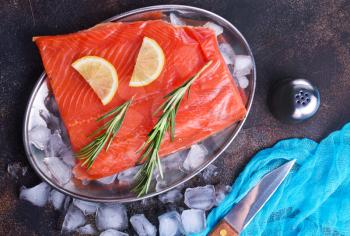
(214,102)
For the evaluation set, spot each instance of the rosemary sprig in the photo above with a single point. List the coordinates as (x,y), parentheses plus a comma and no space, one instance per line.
(105,134)
(166,121)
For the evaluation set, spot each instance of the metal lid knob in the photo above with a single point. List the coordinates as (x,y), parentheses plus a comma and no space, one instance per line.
(294,100)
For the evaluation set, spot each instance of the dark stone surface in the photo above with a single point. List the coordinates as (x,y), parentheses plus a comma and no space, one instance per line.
(297,38)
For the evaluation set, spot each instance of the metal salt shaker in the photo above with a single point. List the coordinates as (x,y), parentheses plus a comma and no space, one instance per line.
(294,100)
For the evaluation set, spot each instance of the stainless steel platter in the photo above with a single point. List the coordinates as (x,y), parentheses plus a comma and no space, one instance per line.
(119,190)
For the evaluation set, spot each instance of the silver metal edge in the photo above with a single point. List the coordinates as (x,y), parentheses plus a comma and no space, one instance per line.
(235,213)
(132,199)
(289,165)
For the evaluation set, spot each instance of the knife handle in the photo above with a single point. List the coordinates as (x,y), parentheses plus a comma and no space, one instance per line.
(223,229)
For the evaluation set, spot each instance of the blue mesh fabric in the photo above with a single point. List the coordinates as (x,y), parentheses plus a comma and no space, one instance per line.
(314,199)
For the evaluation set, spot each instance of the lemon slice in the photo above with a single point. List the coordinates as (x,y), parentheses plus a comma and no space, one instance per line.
(100,74)
(149,63)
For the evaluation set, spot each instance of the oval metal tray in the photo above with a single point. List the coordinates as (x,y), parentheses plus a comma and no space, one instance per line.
(215,145)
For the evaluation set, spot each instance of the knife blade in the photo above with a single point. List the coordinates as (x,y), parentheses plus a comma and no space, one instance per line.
(245,210)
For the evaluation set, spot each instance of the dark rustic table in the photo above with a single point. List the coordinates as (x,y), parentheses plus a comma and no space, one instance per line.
(289,38)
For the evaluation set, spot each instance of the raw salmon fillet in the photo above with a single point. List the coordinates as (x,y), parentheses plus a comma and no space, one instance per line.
(214,102)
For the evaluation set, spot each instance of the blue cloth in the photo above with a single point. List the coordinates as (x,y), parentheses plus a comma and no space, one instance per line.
(314,199)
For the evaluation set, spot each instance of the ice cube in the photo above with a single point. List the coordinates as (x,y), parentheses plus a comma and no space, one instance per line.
(113,232)
(55,146)
(227,53)
(107,180)
(220,192)
(242,65)
(86,207)
(243,82)
(171,196)
(87,230)
(175,20)
(56,199)
(73,219)
(37,195)
(16,170)
(58,169)
(142,226)
(173,161)
(111,216)
(171,177)
(193,221)
(216,28)
(66,203)
(210,173)
(195,157)
(170,224)
(39,136)
(128,176)
(52,121)
(51,105)
(68,157)
(200,197)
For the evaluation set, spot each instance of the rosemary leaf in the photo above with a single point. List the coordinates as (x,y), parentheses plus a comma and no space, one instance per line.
(166,122)
(105,134)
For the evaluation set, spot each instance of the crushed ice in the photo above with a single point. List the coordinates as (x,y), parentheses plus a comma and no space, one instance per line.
(210,173)
(142,226)
(87,230)
(202,197)
(227,53)
(52,122)
(215,27)
(175,20)
(171,196)
(113,232)
(39,136)
(68,158)
(111,216)
(88,208)
(195,157)
(74,218)
(173,161)
(56,198)
(193,221)
(243,64)
(170,224)
(172,166)
(107,180)
(55,146)
(128,176)
(37,195)
(171,177)
(58,169)
(243,82)
(220,193)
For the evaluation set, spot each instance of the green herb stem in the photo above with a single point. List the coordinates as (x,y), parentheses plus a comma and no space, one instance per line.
(104,135)
(166,122)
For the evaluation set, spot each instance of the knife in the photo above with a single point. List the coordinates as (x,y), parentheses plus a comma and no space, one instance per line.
(245,210)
